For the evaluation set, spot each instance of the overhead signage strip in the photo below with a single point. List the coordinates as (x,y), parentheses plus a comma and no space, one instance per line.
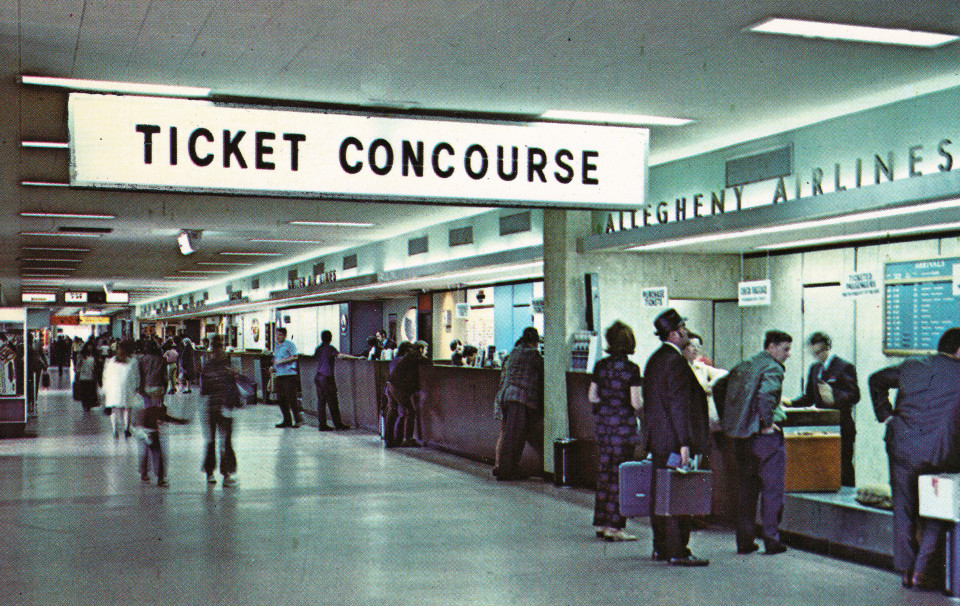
(153,143)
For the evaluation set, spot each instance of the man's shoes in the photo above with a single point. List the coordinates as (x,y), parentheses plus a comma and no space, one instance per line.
(325,428)
(774,547)
(297,424)
(925,582)
(187,390)
(656,556)
(688,560)
(615,534)
(284,425)
(341,427)
(163,483)
(145,477)
(229,480)
(211,479)
(747,549)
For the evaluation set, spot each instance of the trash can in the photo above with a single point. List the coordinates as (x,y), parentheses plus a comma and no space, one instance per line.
(564,460)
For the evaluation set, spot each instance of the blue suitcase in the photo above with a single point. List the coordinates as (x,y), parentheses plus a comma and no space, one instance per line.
(635,480)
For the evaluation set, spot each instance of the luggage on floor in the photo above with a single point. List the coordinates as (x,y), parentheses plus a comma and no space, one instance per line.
(683,492)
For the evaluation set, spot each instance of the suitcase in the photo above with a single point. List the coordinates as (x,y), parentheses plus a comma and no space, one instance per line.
(635,480)
(683,493)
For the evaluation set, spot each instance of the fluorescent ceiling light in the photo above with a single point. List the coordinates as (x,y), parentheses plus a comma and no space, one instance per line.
(44,276)
(813,223)
(285,241)
(251,254)
(50,260)
(867,235)
(66,215)
(201,271)
(632,119)
(852,33)
(46,144)
(239,263)
(55,249)
(332,223)
(184,241)
(63,234)
(105,86)
(38,268)
(44,184)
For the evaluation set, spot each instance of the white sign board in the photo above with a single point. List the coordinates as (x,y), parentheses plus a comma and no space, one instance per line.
(189,145)
(956,279)
(861,283)
(754,293)
(655,297)
(118,297)
(36,297)
(74,297)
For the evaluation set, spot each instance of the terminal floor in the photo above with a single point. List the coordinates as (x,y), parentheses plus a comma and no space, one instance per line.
(333,518)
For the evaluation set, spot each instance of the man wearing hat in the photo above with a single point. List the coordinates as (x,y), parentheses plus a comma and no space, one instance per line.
(677,422)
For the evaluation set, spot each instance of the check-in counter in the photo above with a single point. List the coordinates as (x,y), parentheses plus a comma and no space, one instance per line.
(254,364)
(360,390)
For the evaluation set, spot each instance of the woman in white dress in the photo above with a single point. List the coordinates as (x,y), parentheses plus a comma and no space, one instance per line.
(121,378)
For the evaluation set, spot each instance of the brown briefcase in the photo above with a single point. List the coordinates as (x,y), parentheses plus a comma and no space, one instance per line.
(683,493)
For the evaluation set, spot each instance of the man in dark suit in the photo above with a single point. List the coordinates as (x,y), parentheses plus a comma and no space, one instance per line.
(923,436)
(677,422)
(832,383)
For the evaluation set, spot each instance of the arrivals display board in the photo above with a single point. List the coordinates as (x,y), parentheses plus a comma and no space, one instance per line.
(919,304)
(119,141)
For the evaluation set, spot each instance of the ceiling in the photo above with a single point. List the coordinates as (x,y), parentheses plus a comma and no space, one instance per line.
(683,59)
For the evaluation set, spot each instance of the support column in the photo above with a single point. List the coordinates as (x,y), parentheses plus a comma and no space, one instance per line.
(563,314)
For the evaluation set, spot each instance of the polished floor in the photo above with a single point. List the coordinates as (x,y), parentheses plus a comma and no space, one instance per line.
(333,518)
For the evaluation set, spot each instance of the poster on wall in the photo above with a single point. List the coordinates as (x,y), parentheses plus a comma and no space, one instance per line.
(754,293)
(861,283)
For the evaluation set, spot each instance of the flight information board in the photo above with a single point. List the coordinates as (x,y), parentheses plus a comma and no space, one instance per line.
(920,303)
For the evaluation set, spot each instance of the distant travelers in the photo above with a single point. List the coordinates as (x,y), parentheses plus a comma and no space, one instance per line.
(456,352)
(326,383)
(470,355)
(171,357)
(832,383)
(120,382)
(287,379)
(675,407)
(384,341)
(85,378)
(188,364)
(923,436)
(615,395)
(706,374)
(403,386)
(520,405)
(219,384)
(750,415)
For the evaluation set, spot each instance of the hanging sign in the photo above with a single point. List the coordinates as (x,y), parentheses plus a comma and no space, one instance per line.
(861,283)
(655,297)
(190,145)
(754,293)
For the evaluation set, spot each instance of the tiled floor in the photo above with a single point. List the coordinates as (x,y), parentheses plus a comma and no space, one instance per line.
(334,519)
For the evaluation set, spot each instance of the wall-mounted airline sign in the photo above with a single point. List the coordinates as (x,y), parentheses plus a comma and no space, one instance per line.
(100,320)
(155,143)
(118,297)
(754,293)
(74,297)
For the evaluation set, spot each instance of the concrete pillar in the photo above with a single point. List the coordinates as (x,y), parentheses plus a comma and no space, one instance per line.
(563,293)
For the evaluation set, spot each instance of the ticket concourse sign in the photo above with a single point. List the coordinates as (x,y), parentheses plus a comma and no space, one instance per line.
(188,145)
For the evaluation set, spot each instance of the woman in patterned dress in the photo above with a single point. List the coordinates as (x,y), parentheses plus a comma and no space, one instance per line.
(615,395)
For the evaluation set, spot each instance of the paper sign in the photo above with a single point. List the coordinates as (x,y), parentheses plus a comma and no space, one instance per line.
(861,283)
(754,293)
(655,297)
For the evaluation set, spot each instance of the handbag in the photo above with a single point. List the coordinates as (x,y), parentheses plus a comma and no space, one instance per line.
(246,388)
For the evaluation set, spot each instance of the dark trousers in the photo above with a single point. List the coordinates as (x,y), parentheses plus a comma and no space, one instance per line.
(912,552)
(848,435)
(522,426)
(152,450)
(327,397)
(218,423)
(761,462)
(671,534)
(286,386)
(401,416)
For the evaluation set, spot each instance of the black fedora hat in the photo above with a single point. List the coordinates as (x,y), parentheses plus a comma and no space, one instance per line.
(668,321)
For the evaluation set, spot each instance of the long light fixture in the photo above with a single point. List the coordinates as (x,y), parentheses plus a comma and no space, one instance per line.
(251,254)
(55,249)
(868,235)
(45,144)
(757,231)
(201,271)
(332,223)
(62,234)
(106,86)
(233,263)
(39,268)
(44,184)
(45,276)
(67,215)
(562,115)
(851,33)
(50,260)
(285,241)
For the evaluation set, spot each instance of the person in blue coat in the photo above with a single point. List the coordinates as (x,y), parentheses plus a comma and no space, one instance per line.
(923,436)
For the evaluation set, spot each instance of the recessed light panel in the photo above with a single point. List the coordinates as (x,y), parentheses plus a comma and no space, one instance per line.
(611,118)
(851,33)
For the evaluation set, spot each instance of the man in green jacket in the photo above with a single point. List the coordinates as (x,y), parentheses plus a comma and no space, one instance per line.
(753,396)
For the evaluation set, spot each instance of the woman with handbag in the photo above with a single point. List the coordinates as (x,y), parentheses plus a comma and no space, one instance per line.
(85,381)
